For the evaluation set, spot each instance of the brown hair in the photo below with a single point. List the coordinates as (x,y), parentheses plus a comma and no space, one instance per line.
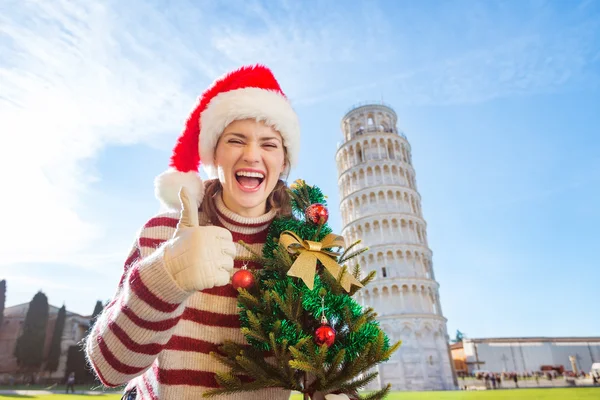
(278,199)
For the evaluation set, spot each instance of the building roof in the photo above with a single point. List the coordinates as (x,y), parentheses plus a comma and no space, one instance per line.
(457,345)
(370,104)
(567,339)
(12,310)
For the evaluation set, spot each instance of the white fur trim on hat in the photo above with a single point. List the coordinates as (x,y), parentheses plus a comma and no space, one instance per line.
(168,184)
(268,106)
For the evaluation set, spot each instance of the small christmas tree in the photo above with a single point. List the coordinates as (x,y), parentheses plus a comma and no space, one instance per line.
(306,332)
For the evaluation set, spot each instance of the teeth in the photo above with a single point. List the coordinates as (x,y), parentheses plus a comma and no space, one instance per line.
(250,174)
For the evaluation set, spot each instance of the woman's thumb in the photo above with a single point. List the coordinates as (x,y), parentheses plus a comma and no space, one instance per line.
(189,210)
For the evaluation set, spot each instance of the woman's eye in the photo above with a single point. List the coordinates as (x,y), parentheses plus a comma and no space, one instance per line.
(271,145)
(235,141)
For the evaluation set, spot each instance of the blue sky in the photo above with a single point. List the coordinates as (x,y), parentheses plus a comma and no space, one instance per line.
(499,100)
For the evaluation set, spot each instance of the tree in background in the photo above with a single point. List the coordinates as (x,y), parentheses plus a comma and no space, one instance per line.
(76,360)
(97,311)
(77,363)
(2,299)
(29,350)
(55,345)
(299,310)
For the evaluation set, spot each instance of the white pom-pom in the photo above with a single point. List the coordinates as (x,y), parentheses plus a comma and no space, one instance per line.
(168,184)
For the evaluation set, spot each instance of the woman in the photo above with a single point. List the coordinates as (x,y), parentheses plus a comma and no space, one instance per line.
(174,303)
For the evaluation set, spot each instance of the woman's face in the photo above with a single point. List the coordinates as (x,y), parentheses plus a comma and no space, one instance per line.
(249,158)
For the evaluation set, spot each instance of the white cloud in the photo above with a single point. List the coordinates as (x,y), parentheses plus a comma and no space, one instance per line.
(79,76)
(72,83)
(521,65)
(303,45)
(45,283)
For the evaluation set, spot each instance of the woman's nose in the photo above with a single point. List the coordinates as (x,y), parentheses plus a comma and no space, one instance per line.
(252,153)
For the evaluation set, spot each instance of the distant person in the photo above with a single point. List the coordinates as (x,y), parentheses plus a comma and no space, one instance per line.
(516,379)
(71,383)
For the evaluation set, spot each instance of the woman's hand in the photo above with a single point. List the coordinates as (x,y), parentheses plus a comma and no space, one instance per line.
(198,257)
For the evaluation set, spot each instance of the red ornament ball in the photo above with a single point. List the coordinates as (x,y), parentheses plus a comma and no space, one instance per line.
(242,279)
(325,335)
(317,213)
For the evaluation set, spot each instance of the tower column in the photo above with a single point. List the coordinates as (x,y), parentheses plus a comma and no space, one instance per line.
(422,300)
(402,306)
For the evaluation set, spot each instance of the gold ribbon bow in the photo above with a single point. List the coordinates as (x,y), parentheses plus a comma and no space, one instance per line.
(309,252)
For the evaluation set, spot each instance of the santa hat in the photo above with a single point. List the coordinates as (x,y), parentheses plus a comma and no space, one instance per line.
(248,92)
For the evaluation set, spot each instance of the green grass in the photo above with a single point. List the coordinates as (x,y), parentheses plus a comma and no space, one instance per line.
(63,396)
(521,394)
(60,386)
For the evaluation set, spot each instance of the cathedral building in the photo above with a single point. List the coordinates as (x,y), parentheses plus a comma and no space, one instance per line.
(12,327)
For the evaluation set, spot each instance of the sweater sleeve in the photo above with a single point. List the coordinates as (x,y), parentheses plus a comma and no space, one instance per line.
(141,318)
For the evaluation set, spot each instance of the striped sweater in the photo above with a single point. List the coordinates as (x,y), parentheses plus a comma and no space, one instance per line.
(157,338)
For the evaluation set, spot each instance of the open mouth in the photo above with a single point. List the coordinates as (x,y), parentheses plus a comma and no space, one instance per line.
(250,180)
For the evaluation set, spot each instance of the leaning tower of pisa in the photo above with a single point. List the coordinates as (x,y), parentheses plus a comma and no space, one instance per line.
(381,206)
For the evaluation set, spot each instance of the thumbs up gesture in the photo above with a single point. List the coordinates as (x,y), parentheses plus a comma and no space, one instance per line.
(198,257)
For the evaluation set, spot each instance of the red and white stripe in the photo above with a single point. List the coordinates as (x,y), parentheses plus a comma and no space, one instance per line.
(158,338)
